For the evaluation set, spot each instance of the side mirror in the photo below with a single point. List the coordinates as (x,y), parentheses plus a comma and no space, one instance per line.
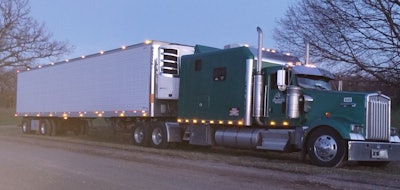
(308,100)
(281,80)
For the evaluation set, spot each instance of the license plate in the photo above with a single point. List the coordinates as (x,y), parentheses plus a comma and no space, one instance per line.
(379,153)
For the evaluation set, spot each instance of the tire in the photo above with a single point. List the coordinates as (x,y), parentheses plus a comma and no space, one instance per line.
(45,127)
(326,148)
(26,126)
(140,134)
(159,137)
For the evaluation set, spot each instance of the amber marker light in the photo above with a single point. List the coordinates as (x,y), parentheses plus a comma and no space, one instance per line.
(327,114)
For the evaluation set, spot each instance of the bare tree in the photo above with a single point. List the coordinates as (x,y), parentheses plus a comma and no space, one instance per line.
(22,39)
(8,80)
(359,36)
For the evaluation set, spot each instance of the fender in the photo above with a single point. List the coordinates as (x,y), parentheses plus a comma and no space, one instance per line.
(340,124)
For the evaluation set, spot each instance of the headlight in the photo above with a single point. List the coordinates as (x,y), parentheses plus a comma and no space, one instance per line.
(394,131)
(356,128)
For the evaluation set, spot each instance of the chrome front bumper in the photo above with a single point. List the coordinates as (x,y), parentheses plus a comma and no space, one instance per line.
(373,151)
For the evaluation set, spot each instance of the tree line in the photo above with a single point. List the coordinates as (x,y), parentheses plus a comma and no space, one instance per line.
(359,40)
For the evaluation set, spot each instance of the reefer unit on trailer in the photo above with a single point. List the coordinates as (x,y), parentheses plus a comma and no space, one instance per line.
(133,81)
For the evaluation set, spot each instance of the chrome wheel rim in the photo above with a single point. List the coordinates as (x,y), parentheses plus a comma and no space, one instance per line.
(325,148)
(157,136)
(43,129)
(138,135)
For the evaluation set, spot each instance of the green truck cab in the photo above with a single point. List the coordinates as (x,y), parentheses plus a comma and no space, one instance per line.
(229,97)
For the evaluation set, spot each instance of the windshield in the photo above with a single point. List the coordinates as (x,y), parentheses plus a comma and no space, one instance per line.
(313,82)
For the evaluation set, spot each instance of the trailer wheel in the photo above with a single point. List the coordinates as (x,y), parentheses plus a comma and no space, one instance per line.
(139,134)
(326,148)
(45,127)
(159,137)
(26,128)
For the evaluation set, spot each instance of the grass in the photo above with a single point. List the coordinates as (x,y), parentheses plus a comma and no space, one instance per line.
(7,116)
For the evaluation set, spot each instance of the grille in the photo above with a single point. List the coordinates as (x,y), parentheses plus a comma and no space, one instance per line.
(378,117)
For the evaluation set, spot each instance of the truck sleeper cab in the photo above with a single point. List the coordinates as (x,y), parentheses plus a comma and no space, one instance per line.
(290,107)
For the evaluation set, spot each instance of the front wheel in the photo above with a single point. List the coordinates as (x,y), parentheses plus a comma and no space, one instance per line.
(326,148)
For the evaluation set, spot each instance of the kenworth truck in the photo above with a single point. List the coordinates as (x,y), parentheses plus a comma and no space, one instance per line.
(238,97)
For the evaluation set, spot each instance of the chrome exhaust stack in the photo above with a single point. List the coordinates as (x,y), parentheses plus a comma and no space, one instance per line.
(258,79)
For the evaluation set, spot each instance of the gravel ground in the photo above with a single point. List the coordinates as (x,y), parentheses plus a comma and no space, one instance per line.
(277,170)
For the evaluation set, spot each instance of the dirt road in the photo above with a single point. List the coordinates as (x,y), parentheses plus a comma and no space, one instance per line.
(36,162)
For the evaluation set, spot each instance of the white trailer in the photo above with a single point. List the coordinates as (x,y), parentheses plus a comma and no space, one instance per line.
(139,81)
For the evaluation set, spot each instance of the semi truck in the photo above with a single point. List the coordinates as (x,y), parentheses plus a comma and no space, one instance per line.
(239,97)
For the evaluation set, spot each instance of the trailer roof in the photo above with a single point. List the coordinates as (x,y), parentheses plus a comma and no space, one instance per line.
(102,52)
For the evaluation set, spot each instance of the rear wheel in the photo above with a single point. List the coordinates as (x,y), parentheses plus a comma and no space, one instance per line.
(326,148)
(45,127)
(139,134)
(159,137)
(26,126)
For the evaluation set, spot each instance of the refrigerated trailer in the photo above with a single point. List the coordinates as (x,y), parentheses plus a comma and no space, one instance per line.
(138,81)
(239,97)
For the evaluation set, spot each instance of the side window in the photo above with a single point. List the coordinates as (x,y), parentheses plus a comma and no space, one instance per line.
(272,78)
(219,74)
(197,65)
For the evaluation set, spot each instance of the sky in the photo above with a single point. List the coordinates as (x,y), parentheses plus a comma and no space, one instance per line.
(94,25)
